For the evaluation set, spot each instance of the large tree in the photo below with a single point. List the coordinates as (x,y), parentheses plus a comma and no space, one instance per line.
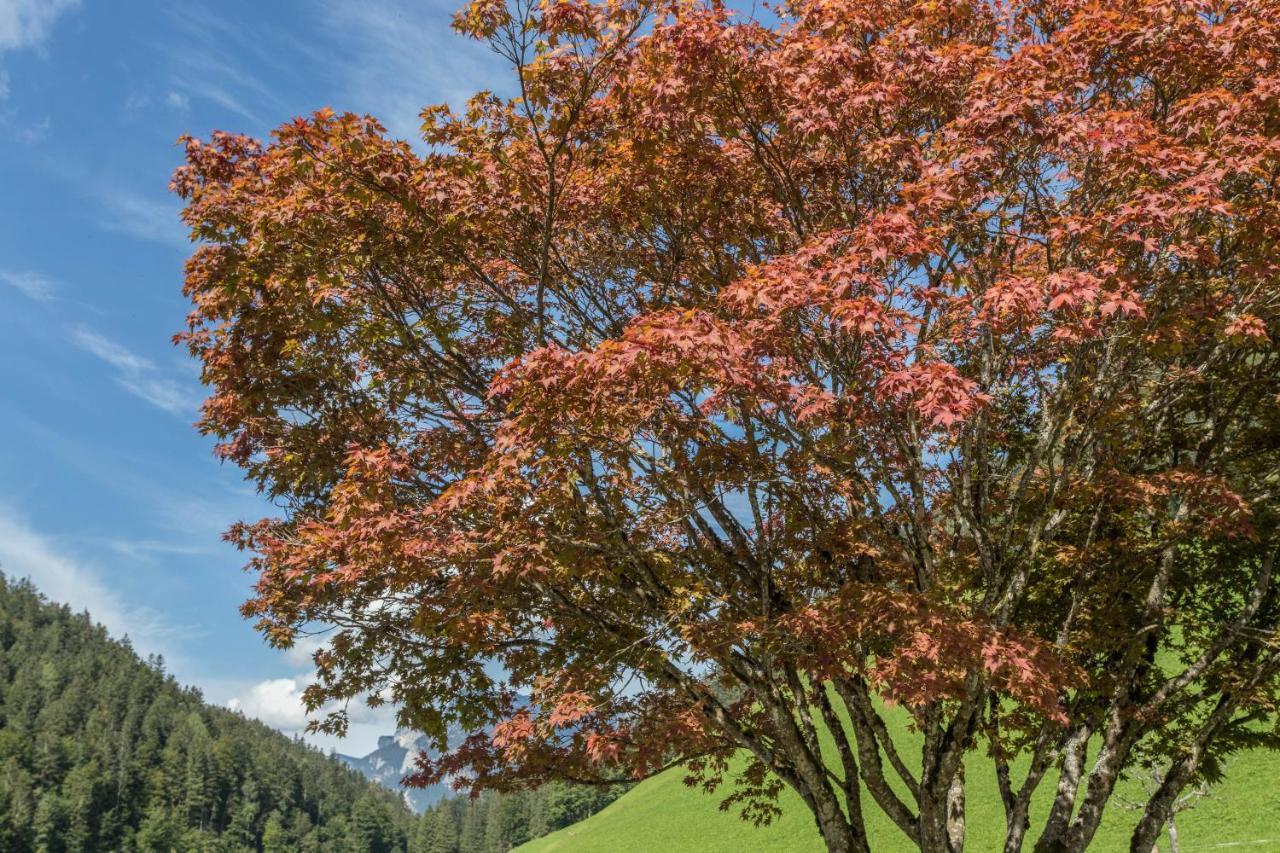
(728,380)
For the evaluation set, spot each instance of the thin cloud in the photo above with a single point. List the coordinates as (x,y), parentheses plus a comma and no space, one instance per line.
(163,394)
(203,66)
(148,549)
(138,375)
(27,23)
(143,217)
(402,56)
(25,552)
(29,284)
(33,134)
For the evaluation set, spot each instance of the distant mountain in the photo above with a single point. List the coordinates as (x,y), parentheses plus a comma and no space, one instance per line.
(100,750)
(392,761)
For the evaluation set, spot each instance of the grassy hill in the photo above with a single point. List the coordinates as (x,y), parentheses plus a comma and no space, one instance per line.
(661,814)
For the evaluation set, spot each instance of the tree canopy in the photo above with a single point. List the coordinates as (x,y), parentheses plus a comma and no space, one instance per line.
(720,379)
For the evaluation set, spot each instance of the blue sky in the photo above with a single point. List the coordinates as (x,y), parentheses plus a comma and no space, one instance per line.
(109,499)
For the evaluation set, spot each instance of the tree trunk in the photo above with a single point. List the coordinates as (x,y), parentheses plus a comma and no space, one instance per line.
(955,815)
(1016,826)
(942,819)
(839,835)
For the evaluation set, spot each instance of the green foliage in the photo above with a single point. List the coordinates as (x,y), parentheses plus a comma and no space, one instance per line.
(497,822)
(102,751)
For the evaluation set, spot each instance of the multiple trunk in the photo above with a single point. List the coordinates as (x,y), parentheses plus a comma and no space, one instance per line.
(1086,758)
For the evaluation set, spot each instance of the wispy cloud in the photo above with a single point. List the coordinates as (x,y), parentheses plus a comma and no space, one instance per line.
(26,552)
(110,352)
(30,284)
(137,374)
(206,64)
(26,25)
(403,55)
(34,133)
(148,549)
(143,217)
(184,507)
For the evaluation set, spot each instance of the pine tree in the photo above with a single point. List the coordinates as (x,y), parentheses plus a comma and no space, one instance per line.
(445,837)
(159,831)
(424,830)
(51,824)
(100,751)
(275,837)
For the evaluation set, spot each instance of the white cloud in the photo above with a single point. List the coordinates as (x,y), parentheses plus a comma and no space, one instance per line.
(278,703)
(403,56)
(29,284)
(24,552)
(142,217)
(27,23)
(303,649)
(146,549)
(110,352)
(138,375)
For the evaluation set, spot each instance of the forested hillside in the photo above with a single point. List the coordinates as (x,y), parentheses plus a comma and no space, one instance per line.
(497,822)
(100,750)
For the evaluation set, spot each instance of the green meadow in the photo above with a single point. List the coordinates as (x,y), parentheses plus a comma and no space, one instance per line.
(663,815)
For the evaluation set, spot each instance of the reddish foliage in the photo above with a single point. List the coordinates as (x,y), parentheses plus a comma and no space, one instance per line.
(731,376)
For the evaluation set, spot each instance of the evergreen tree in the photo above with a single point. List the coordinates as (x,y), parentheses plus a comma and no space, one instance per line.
(424,832)
(445,837)
(51,824)
(275,837)
(102,751)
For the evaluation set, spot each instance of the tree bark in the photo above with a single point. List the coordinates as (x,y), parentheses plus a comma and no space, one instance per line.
(955,814)
(942,818)
(840,835)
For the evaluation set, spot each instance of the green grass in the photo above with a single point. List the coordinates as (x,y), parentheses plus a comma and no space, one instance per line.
(662,815)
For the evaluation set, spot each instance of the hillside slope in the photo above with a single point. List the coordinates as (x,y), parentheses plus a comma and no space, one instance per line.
(100,750)
(663,814)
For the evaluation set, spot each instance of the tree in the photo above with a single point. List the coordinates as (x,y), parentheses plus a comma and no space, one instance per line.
(372,828)
(159,831)
(1151,780)
(101,751)
(51,824)
(443,836)
(275,837)
(424,832)
(732,377)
